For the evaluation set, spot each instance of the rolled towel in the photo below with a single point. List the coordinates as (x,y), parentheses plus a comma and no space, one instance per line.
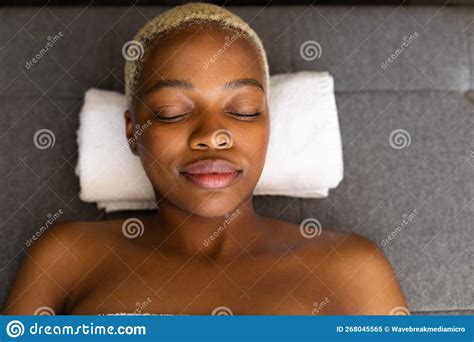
(304,157)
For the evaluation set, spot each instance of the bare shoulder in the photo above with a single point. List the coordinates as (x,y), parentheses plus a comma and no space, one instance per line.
(310,236)
(351,266)
(73,240)
(365,281)
(53,261)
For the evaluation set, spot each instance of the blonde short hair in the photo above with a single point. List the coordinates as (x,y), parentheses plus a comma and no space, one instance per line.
(178,17)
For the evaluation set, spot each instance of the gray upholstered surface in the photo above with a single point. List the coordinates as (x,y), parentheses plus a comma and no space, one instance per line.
(422,91)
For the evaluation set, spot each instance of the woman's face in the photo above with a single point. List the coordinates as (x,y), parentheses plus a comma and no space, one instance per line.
(201,89)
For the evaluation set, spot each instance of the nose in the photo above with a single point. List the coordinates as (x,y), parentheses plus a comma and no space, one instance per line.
(210,134)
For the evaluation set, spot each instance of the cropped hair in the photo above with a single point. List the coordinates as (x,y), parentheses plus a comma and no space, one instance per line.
(179,17)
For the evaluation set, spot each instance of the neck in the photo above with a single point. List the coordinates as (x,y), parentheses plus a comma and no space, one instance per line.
(217,237)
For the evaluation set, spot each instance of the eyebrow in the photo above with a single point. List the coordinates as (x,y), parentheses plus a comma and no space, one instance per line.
(186,85)
(242,82)
(180,84)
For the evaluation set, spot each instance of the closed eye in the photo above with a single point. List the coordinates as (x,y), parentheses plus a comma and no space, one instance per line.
(178,117)
(170,118)
(246,115)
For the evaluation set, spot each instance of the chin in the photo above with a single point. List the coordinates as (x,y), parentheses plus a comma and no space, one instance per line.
(213,207)
(214,210)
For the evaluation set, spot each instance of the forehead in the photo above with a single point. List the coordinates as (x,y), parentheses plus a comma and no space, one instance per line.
(205,56)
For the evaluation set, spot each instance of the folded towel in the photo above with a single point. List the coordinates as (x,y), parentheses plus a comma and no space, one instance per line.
(304,157)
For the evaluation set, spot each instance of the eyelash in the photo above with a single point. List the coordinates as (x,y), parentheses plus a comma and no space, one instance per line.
(169,119)
(247,116)
(177,117)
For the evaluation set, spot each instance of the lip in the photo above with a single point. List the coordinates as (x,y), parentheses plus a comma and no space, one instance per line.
(212,173)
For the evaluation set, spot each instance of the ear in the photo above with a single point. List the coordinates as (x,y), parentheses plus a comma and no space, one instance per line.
(130,130)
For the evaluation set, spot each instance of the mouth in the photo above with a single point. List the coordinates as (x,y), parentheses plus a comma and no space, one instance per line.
(212,173)
(212,180)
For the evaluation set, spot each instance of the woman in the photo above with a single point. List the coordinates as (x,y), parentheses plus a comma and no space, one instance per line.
(198,91)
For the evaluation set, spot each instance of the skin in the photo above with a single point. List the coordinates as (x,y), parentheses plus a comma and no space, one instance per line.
(256,265)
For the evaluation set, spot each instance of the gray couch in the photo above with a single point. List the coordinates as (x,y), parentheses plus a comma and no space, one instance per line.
(410,191)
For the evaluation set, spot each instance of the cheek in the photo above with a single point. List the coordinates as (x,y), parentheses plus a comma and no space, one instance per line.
(159,151)
(252,143)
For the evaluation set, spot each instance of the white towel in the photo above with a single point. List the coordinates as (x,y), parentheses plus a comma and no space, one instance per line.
(304,157)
